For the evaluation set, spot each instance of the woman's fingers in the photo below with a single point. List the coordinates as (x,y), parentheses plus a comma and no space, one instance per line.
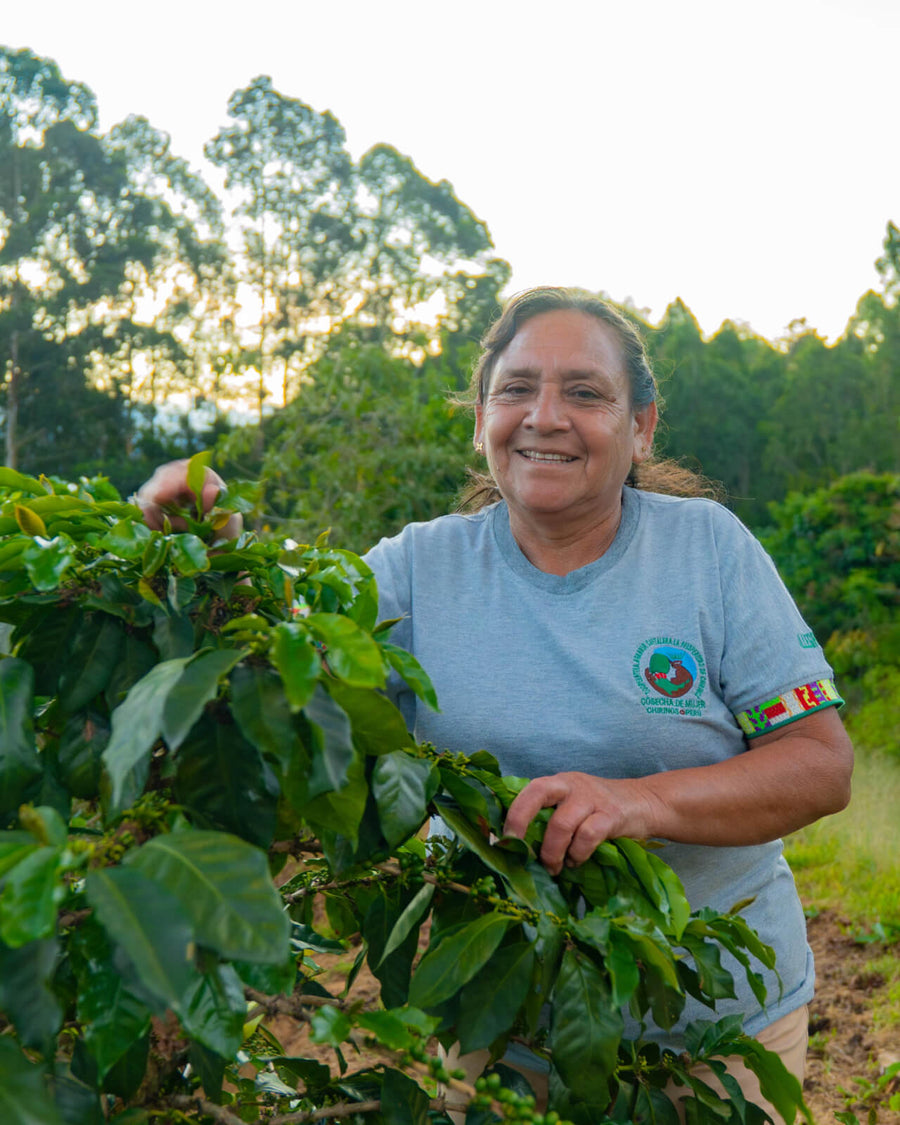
(574,829)
(169,487)
(589,810)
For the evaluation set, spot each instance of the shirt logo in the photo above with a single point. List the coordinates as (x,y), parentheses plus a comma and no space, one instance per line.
(671,675)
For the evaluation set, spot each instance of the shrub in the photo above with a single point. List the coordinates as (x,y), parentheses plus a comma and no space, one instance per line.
(195,749)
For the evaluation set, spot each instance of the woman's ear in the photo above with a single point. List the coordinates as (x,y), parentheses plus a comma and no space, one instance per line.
(645,420)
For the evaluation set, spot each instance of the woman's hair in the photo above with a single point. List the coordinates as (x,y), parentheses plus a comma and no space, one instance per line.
(656,476)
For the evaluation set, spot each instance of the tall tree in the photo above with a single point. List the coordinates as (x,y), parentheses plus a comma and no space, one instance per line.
(291,183)
(103,241)
(327,241)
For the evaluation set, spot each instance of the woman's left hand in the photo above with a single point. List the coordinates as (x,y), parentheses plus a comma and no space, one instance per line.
(588,810)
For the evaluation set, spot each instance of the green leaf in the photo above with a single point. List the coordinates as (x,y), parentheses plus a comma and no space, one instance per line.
(187,554)
(378,725)
(24,1099)
(113,1017)
(14,847)
(491,1000)
(28,903)
(406,665)
(387,1028)
(403,1102)
(29,522)
(18,482)
(337,814)
(715,981)
(213,1010)
(223,782)
(196,477)
(77,1102)
(378,924)
(297,661)
(329,1025)
(333,752)
(19,761)
(311,1073)
(47,560)
(127,539)
(197,685)
(412,914)
(80,754)
(351,653)
(261,710)
(402,787)
(586,1029)
(136,725)
(148,923)
(173,635)
(93,657)
(456,958)
(529,884)
(224,888)
(26,995)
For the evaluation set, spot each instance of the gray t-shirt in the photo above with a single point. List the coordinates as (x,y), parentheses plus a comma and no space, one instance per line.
(667,652)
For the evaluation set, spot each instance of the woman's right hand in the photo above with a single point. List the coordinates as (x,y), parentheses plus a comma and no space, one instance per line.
(169,486)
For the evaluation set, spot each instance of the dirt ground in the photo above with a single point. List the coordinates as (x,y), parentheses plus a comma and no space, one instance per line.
(844,1044)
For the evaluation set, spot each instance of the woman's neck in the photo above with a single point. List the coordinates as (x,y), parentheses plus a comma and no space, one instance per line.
(557,546)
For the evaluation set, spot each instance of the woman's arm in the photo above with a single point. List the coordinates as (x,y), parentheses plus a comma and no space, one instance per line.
(786,779)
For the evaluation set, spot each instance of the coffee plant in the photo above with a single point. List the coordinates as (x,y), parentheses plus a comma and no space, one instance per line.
(203,787)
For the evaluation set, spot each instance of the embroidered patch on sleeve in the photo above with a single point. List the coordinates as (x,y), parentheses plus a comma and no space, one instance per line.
(788,707)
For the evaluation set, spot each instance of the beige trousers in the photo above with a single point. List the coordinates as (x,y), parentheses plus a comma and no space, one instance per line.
(787,1037)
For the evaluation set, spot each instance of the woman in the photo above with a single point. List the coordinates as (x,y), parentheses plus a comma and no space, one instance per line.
(635,654)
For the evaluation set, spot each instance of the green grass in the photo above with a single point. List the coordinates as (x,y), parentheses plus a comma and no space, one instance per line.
(851,862)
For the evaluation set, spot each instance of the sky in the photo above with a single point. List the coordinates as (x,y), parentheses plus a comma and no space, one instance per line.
(741,156)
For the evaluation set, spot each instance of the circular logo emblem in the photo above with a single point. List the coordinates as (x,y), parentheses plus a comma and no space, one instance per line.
(671,671)
(671,675)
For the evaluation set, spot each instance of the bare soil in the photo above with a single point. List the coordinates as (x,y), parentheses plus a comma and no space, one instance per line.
(844,1043)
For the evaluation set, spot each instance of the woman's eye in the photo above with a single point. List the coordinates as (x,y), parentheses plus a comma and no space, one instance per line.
(585,393)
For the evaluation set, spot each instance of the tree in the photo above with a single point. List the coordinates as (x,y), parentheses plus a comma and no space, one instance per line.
(717,396)
(838,550)
(370,444)
(183,717)
(326,241)
(104,243)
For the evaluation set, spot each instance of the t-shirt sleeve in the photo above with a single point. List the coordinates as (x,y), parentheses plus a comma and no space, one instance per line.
(773,668)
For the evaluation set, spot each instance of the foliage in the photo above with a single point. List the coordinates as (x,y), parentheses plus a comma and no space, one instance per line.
(326,240)
(107,243)
(370,444)
(184,720)
(838,550)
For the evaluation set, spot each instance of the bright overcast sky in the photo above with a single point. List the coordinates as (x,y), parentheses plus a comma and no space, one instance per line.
(742,156)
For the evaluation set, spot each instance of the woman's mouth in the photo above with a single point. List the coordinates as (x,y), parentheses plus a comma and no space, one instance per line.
(537,455)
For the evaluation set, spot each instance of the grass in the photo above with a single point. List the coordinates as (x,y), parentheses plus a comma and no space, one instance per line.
(851,862)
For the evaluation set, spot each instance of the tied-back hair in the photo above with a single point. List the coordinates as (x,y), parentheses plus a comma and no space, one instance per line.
(666,476)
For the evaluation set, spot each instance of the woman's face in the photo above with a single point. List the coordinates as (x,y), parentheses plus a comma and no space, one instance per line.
(557,424)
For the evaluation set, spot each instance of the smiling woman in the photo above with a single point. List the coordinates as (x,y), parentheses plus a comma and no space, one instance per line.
(634,654)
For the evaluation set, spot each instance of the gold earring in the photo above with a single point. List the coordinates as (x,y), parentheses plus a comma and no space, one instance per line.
(479,447)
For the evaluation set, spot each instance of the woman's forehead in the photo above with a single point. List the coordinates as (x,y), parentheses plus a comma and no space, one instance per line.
(563,341)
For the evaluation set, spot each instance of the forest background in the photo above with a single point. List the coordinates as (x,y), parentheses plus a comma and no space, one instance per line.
(312,323)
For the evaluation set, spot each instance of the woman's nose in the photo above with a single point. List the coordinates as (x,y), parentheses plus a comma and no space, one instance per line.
(548,411)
